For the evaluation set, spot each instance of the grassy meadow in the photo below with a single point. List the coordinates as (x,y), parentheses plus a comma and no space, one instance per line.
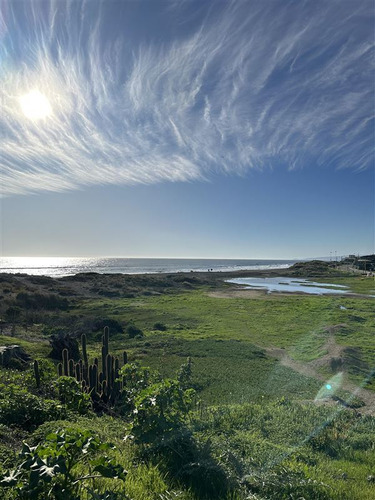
(254,428)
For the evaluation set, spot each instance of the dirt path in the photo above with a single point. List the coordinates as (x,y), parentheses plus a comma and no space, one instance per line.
(310,369)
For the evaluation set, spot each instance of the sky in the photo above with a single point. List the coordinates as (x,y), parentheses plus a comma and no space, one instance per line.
(218,129)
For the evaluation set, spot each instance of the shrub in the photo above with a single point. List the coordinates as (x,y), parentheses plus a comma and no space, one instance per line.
(61,341)
(70,394)
(47,372)
(113,325)
(160,326)
(159,427)
(13,313)
(39,301)
(135,379)
(53,468)
(160,410)
(21,409)
(133,331)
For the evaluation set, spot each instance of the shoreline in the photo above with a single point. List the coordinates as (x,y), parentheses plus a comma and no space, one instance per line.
(120,285)
(199,272)
(206,276)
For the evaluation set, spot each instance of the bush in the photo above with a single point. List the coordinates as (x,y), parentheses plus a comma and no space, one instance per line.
(61,341)
(160,410)
(21,409)
(159,427)
(135,379)
(160,326)
(39,301)
(70,394)
(113,325)
(55,468)
(133,331)
(13,313)
(47,373)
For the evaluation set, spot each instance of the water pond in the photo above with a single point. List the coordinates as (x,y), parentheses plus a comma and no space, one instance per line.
(291,285)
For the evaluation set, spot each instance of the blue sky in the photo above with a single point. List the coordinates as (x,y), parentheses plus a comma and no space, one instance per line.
(187,129)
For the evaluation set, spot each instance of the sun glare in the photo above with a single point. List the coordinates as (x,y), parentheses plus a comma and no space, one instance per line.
(35,105)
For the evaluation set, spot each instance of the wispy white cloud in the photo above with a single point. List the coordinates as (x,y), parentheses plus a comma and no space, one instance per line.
(245,85)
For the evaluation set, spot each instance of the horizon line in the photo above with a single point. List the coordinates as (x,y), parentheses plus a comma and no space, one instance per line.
(175,258)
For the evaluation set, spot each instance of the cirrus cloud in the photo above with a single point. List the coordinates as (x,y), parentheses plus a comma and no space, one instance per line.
(222,89)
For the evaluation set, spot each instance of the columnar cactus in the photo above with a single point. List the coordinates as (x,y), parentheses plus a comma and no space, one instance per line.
(36,373)
(100,381)
(78,372)
(65,362)
(84,349)
(71,368)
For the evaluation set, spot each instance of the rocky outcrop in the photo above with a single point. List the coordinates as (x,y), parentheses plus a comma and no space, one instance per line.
(14,356)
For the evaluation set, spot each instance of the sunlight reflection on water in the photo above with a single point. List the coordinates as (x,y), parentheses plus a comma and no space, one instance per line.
(290,285)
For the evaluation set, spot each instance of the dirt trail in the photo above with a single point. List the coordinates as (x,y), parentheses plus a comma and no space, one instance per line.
(310,369)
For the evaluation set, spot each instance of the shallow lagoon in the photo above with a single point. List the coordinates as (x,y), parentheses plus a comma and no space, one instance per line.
(291,285)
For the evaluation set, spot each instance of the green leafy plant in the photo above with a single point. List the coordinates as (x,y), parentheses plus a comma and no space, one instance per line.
(134,379)
(160,326)
(160,410)
(21,409)
(53,468)
(133,331)
(70,393)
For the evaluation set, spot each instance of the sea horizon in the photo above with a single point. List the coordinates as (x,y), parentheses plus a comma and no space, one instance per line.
(68,266)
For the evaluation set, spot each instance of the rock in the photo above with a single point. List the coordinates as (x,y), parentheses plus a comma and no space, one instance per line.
(14,356)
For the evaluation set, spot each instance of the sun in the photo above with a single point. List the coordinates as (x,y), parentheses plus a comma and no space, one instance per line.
(35,105)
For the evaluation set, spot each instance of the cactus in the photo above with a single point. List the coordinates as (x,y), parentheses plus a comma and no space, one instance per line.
(78,372)
(109,371)
(125,357)
(106,337)
(91,380)
(71,368)
(85,374)
(36,373)
(65,362)
(102,384)
(95,377)
(84,349)
(104,359)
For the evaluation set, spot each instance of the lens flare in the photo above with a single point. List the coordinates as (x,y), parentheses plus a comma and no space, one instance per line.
(330,387)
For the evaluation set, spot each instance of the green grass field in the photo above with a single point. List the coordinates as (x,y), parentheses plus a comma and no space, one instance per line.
(220,333)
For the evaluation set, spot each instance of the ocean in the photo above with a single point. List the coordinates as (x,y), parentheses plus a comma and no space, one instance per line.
(67,266)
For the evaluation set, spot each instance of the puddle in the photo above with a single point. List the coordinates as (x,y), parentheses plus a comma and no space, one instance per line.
(291,285)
